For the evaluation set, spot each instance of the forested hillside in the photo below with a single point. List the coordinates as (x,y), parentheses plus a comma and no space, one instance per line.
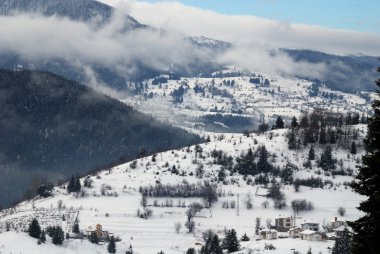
(54,127)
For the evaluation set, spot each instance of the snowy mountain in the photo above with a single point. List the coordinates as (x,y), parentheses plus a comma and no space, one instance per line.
(171,182)
(88,11)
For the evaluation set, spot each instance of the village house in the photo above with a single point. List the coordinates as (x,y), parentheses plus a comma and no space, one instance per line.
(268,234)
(339,232)
(295,232)
(310,226)
(311,235)
(335,223)
(283,224)
(100,233)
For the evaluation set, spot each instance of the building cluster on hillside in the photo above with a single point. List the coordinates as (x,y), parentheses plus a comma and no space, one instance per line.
(307,230)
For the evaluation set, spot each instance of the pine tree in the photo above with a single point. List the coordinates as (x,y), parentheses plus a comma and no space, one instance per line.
(244,238)
(231,243)
(311,153)
(34,229)
(263,164)
(294,123)
(332,137)
(353,148)
(308,136)
(287,173)
(292,141)
(322,136)
(111,245)
(367,228)
(309,251)
(191,251)
(279,123)
(246,164)
(304,123)
(327,162)
(76,228)
(77,186)
(343,244)
(58,236)
(71,185)
(212,245)
(74,184)
(130,250)
(94,238)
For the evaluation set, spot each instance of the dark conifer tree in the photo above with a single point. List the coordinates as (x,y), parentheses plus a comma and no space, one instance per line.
(279,123)
(215,247)
(322,136)
(292,141)
(77,185)
(311,153)
(287,174)
(353,148)
(294,123)
(34,229)
(94,238)
(212,245)
(244,238)
(191,251)
(58,235)
(245,164)
(76,228)
(308,136)
(327,161)
(71,185)
(343,244)
(231,242)
(111,245)
(304,123)
(263,164)
(367,228)
(332,137)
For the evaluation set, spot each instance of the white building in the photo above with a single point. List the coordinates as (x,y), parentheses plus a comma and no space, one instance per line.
(310,226)
(295,232)
(310,235)
(268,234)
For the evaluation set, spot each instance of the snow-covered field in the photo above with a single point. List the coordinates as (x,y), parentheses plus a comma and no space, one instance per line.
(117,210)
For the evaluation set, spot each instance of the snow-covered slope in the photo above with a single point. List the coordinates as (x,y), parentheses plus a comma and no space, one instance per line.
(255,97)
(114,198)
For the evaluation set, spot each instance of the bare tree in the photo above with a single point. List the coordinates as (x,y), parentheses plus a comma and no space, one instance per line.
(177,227)
(248,200)
(341,211)
(190,225)
(143,201)
(265,204)
(269,223)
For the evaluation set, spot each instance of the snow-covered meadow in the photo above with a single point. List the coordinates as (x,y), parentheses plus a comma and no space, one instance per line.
(116,211)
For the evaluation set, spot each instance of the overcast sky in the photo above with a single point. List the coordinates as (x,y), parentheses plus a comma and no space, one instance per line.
(287,29)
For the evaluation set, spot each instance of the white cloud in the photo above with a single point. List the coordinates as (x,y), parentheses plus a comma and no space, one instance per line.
(42,38)
(249,29)
(49,38)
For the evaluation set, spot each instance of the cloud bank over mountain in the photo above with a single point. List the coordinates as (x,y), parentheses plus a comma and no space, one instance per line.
(165,45)
(240,29)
